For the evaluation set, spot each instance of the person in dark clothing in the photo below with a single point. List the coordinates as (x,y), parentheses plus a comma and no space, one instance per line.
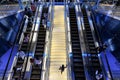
(28,12)
(118,3)
(29,24)
(33,8)
(14,69)
(101,48)
(62,68)
(17,70)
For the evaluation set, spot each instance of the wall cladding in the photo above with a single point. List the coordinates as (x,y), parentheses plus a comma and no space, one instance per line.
(8,29)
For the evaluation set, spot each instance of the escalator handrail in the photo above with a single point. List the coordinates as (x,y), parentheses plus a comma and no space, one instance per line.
(95,25)
(15,41)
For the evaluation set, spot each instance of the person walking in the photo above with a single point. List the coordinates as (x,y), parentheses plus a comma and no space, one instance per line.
(62,68)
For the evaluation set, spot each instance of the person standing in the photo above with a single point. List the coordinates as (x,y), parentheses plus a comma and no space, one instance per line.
(26,39)
(38,61)
(21,54)
(33,8)
(98,75)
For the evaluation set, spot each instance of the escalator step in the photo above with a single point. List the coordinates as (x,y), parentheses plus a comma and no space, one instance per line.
(73,24)
(80,76)
(35,77)
(76,48)
(89,38)
(91,45)
(78,69)
(41,33)
(35,72)
(75,38)
(74,32)
(90,41)
(75,42)
(24,44)
(78,60)
(75,45)
(77,56)
(78,65)
(18,65)
(40,46)
(91,48)
(76,52)
(39,54)
(39,51)
(89,35)
(40,40)
(73,29)
(41,37)
(20,61)
(88,32)
(24,49)
(93,52)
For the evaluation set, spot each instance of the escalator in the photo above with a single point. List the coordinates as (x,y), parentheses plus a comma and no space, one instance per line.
(78,67)
(24,47)
(36,70)
(94,63)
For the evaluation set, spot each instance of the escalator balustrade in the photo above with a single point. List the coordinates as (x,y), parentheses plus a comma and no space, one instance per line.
(78,66)
(36,70)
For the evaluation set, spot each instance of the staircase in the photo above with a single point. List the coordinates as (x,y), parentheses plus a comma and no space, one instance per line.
(58,46)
